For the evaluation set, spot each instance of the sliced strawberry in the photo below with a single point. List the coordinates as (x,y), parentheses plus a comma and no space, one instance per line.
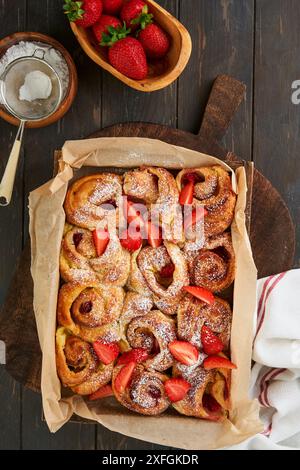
(167,271)
(131,241)
(135,355)
(210,403)
(186,194)
(201,293)
(132,213)
(218,362)
(101,239)
(184,352)
(211,343)
(106,352)
(154,235)
(176,388)
(196,215)
(123,377)
(102,392)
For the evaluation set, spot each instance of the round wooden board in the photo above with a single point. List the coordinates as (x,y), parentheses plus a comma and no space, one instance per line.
(272,232)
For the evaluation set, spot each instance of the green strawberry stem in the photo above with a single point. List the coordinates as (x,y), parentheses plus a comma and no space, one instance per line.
(114,35)
(144,18)
(73,10)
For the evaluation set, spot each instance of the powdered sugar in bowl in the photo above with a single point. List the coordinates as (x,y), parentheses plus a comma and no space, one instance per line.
(20,45)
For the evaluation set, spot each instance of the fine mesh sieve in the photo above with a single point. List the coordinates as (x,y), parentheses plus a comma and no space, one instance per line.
(10,83)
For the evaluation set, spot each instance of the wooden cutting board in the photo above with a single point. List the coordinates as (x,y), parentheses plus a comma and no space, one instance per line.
(272,232)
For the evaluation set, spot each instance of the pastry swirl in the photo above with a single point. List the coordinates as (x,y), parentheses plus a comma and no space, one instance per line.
(86,198)
(213,266)
(150,261)
(135,305)
(77,364)
(213,190)
(145,393)
(79,261)
(147,332)
(193,314)
(90,310)
(194,403)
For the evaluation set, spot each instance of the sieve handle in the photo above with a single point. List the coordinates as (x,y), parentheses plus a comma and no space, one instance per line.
(8,179)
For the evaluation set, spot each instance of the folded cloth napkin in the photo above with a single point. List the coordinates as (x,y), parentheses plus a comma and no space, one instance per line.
(275,377)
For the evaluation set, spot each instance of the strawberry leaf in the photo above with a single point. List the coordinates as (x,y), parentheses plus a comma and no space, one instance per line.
(114,35)
(73,10)
(143,19)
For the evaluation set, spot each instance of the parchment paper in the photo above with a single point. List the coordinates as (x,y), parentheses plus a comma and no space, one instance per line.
(46,229)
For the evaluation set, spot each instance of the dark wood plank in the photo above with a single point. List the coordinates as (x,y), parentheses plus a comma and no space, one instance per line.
(36,435)
(85,114)
(277,119)
(222,35)
(11,243)
(40,144)
(123,104)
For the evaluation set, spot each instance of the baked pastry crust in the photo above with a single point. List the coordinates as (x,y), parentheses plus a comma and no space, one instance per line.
(90,311)
(79,262)
(146,394)
(86,197)
(193,314)
(77,364)
(214,192)
(136,299)
(213,265)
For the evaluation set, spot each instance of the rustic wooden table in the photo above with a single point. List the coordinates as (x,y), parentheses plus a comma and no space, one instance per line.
(256,41)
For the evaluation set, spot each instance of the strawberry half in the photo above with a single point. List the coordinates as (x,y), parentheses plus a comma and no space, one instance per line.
(210,342)
(112,7)
(102,392)
(176,388)
(135,355)
(106,352)
(201,293)
(131,241)
(186,194)
(84,13)
(154,235)
(101,239)
(184,352)
(123,377)
(132,213)
(218,362)
(103,26)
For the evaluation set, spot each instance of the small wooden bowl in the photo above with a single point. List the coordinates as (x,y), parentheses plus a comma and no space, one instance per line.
(64,106)
(161,73)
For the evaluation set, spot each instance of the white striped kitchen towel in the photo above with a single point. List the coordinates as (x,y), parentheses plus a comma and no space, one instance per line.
(276,371)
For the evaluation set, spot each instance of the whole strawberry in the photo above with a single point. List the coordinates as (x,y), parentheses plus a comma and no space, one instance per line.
(134,13)
(104,24)
(84,13)
(126,54)
(128,57)
(112,7)
(154,41)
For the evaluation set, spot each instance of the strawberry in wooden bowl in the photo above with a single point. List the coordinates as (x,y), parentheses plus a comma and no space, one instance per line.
(137,41)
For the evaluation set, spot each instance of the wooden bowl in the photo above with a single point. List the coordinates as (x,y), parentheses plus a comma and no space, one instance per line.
(64,106)
(161,73)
